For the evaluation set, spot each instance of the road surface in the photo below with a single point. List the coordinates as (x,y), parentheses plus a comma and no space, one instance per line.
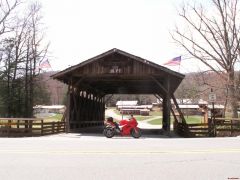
(94,157)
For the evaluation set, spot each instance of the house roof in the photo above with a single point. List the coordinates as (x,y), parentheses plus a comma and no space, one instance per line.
(127,103)
(216,106)
(49,107)
(193,106)
(188,106)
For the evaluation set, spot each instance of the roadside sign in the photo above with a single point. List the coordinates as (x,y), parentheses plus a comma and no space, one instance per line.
(212,97)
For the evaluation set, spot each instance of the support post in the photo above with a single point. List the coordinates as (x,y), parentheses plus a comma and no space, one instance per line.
(166,114)
(68,111)
(166,107)
(42,127)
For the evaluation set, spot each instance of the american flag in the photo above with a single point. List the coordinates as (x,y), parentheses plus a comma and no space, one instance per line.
(174,62)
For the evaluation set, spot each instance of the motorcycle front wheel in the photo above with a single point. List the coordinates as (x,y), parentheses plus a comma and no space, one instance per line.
(136,133)
(109,132)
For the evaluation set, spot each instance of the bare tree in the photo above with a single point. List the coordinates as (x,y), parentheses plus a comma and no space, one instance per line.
(6,8)
(22,50)
(37,49)
(213,38)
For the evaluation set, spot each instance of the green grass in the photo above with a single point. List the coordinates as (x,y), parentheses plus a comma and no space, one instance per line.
(193,119)
(56,117)
(142,118)
(155,113)
(157,121)
(189,119)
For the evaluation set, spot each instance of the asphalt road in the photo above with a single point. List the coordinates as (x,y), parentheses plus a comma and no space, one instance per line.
(73,157)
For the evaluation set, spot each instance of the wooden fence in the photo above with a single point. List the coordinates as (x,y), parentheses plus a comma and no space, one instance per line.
(218,127)
(227,127)
(198,130)
(17,127)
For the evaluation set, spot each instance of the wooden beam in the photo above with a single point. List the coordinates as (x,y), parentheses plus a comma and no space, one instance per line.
(178,109)
(166,124)
(157,96)
(159,84)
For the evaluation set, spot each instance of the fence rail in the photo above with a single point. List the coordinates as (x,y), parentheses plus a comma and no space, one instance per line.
(16,127)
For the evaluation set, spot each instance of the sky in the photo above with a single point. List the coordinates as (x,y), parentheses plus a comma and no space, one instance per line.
(81,29)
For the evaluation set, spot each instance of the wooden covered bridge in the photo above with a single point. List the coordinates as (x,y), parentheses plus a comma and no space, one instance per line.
(114,72)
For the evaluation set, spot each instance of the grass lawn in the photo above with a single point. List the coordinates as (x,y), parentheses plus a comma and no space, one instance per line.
(157,121)
(189,119)
(56,117)
(142,118)
(193,119)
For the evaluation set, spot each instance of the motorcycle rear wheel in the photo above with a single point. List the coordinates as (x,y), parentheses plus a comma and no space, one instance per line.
(109,132)
(136,133)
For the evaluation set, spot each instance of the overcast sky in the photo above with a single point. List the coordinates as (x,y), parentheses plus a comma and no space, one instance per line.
(81,29)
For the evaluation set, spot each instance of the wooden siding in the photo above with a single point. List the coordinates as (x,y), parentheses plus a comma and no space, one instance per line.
(129,68)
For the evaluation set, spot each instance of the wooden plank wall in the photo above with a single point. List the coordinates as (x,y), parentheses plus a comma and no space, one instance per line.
(130,67)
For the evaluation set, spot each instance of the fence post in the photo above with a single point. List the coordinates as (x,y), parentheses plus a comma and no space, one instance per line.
(64,126)
(211,127)
(30,128)
(53,124)
(58,125)
(18,124)
(214,127)
(8,127)
(42,127)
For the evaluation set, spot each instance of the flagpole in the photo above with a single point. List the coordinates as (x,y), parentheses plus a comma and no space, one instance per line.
(179,68)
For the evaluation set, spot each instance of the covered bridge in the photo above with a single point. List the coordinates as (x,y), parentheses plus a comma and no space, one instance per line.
(114,72)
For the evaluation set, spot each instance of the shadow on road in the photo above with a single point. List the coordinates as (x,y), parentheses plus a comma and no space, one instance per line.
(146,133)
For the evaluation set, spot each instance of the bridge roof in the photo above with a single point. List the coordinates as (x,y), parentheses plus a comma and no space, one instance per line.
(119,72)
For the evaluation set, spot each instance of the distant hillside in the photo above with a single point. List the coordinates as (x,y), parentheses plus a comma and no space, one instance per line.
(56,89)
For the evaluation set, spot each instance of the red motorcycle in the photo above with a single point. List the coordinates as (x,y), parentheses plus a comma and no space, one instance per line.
(125,128)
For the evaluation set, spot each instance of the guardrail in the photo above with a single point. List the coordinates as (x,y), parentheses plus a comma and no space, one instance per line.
(17,127)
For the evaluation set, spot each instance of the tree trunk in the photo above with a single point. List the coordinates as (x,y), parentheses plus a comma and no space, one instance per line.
(232,94)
